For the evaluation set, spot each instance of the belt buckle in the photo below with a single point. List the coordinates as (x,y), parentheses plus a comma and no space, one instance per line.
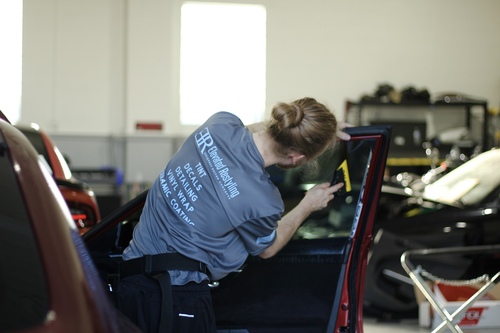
(203,267)
(147,264)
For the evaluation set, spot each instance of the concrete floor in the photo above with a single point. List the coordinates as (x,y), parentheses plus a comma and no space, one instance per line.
(372,325)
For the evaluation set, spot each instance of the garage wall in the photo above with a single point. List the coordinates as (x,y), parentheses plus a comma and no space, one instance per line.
(73,66)
(139,158)
(94,68)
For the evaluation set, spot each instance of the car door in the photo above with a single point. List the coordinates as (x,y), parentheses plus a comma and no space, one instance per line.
(315,283)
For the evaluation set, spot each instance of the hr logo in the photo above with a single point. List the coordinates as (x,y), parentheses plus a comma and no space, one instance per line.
(204,139)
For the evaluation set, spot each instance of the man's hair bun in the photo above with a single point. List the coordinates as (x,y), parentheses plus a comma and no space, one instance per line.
(286,116)
(303,125)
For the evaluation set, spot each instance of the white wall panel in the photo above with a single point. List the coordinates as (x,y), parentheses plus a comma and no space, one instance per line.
(97,67)
(152,78)
(38,93)
(75,40)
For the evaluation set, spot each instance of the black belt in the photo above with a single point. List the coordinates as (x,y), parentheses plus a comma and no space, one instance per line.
(156,267)
(159,263)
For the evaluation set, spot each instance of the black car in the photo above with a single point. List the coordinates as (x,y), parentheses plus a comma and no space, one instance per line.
(459,209)
(315,283)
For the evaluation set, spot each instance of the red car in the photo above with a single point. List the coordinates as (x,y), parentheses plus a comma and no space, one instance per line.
(48,282)
(78,195)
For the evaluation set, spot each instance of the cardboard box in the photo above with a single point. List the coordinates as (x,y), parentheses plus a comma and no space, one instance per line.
(484,313)
(424,308)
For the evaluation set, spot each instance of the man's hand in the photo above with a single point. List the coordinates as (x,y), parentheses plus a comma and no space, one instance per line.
(340,133)
(315,199)
(318,197)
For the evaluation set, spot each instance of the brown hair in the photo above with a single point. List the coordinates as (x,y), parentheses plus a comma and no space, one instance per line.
(303,126)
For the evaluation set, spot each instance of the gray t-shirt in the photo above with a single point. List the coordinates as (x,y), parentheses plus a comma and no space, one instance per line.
(214,202)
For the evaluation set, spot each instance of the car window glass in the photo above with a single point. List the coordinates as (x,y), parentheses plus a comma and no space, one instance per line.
(351,160)
(23,293)
(36,140)
(43,149)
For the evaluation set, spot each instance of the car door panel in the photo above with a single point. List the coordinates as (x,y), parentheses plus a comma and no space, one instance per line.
(294,290)
(298,289)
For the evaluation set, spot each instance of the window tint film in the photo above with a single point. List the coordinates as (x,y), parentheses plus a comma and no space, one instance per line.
(348,163)
(23,294)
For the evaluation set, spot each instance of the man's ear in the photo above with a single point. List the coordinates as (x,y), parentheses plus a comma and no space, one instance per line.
(296,158)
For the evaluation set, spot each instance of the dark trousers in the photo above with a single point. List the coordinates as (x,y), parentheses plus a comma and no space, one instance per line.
(139,298)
